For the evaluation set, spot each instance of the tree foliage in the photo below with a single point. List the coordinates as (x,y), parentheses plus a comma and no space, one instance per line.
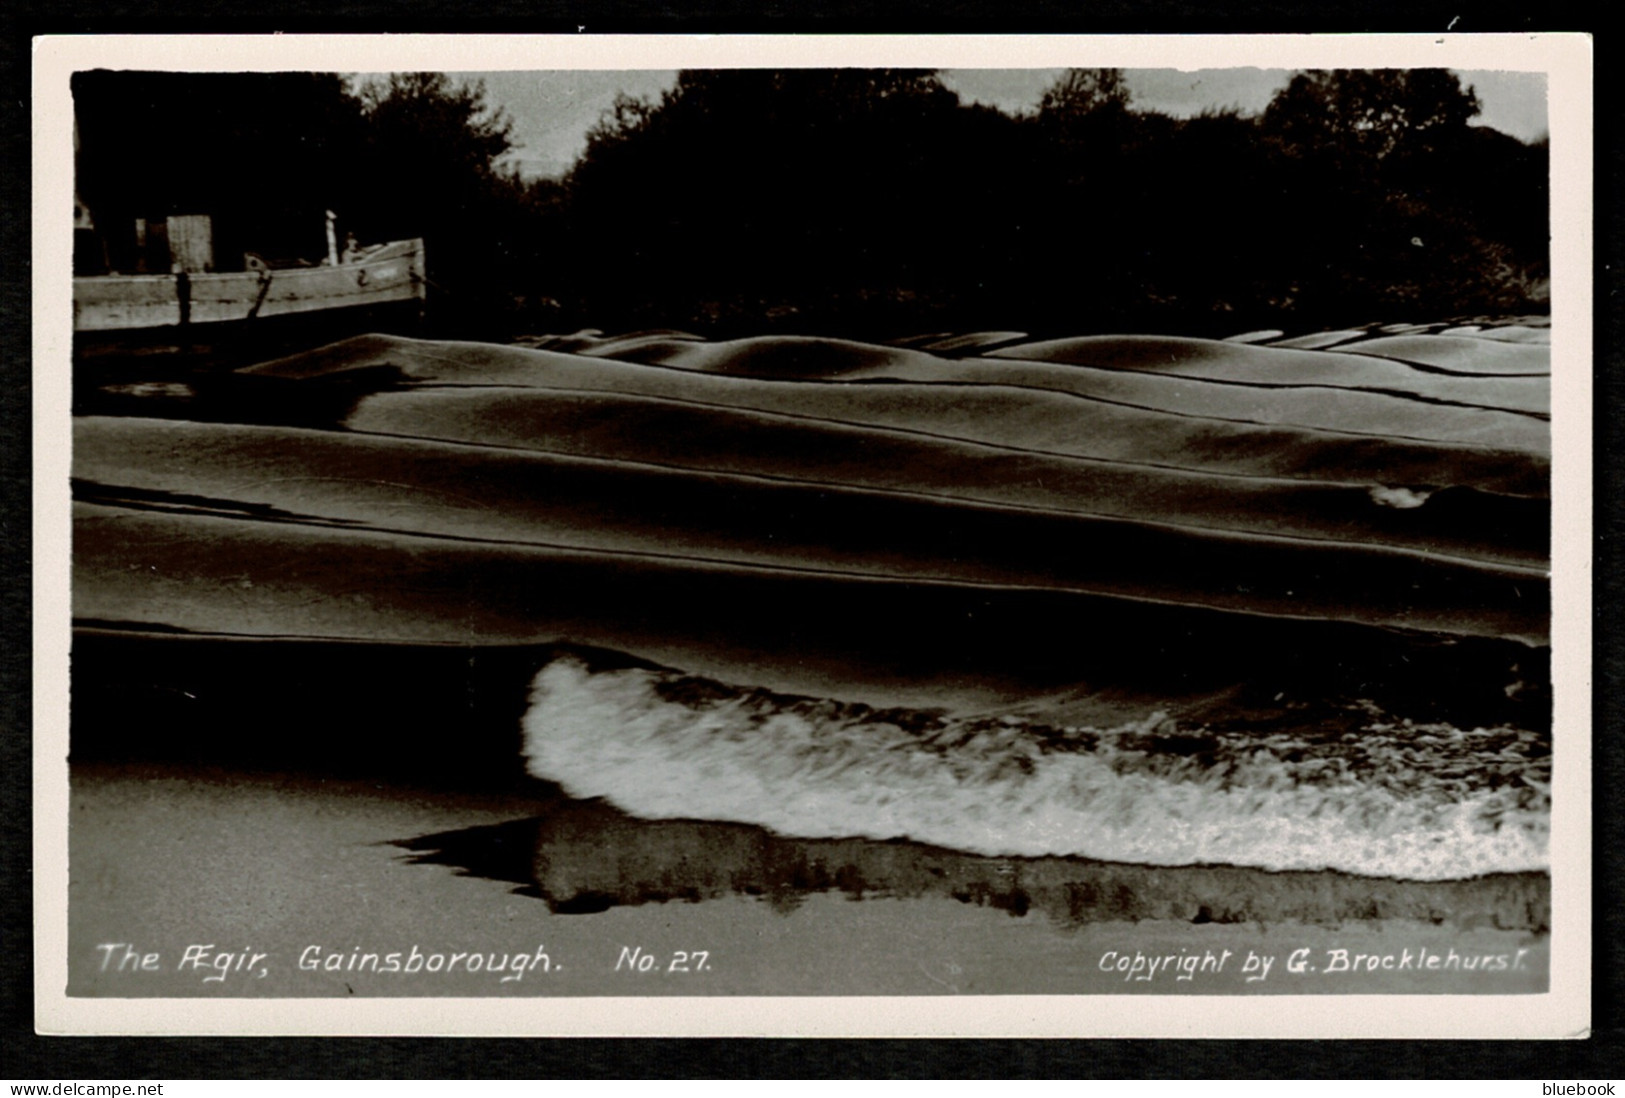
(1440,215)
(1081,93)
(875,201)
(432,167)
(749,192)
(1371,113)
(425,111)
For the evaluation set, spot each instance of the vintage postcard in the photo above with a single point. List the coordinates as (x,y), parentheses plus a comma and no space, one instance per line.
(813,536)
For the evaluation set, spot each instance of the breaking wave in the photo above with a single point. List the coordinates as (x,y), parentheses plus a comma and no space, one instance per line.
(1377,797)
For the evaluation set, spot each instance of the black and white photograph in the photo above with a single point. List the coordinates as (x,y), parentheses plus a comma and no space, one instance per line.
(671,536)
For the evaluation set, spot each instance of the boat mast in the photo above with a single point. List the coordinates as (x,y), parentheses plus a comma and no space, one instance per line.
(332,241)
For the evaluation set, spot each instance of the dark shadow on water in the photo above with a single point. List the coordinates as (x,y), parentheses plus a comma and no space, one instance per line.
(437,716)
(582,857)
(205,395)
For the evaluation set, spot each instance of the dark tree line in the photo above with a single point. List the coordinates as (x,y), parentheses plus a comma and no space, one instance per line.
(865,202)
(848,200)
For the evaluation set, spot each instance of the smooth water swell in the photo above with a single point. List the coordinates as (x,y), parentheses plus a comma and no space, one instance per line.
(1393,799)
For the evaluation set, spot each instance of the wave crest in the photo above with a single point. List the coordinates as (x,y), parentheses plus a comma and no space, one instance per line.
(1394,799)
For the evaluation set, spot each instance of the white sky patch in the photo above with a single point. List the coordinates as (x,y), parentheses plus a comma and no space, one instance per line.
(552,111)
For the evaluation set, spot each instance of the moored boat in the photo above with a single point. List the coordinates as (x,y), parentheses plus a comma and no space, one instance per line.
(388,273)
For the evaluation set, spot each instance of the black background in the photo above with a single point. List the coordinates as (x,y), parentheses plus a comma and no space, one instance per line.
(27,1056)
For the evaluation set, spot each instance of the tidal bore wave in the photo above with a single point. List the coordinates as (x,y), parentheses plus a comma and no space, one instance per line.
(1137,599)
(1391,798)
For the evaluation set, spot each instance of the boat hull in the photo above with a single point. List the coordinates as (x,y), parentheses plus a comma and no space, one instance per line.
(394,273)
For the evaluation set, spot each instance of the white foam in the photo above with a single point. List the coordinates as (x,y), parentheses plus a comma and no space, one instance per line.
(1404,801)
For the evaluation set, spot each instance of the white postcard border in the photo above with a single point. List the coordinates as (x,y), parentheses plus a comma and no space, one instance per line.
(1562,1012)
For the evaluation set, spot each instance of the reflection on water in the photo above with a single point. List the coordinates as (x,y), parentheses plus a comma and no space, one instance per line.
(586,856)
